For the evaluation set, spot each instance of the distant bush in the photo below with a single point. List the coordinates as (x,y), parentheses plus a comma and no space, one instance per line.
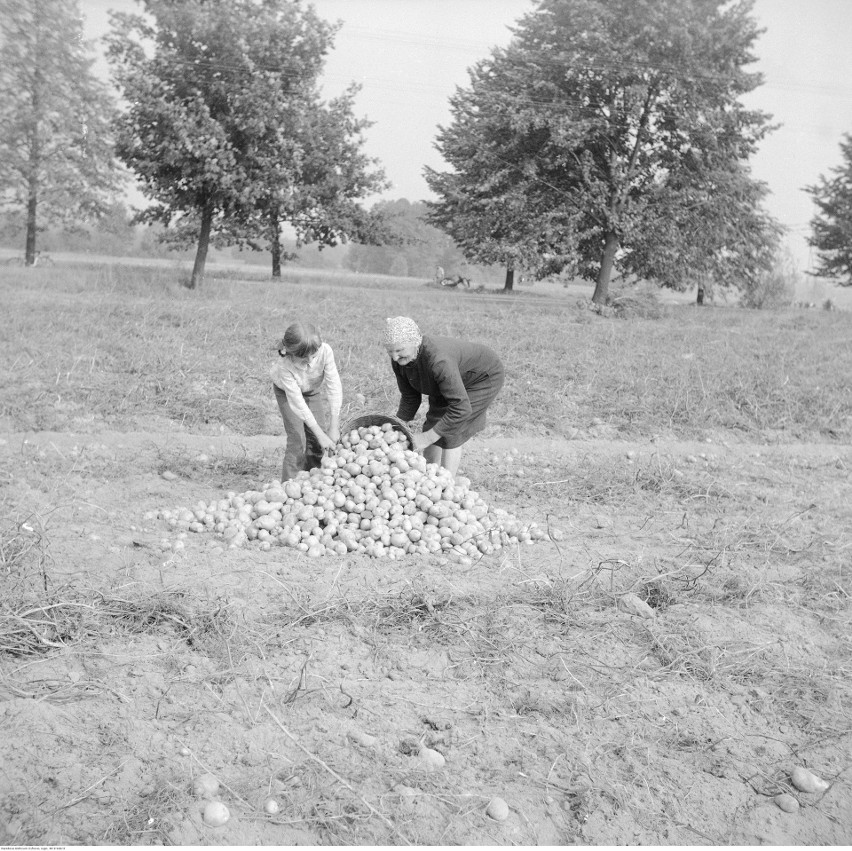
(639,302)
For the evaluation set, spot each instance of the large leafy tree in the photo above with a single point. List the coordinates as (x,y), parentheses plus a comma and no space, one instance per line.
(709,229)
(313,178)
(598,114)
(56,156)
(219,96)
(310,179)
(831,228)
(493,219)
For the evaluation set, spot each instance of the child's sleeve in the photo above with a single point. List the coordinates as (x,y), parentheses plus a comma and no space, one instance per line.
(283,379)
(332,384)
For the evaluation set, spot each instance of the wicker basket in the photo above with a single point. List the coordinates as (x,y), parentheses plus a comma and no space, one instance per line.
(379,419)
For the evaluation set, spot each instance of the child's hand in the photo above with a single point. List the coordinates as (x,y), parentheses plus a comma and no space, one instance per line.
(326,442)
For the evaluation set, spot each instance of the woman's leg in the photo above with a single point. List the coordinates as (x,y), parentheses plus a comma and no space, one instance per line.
(447,458)
(450,459)
(294,454)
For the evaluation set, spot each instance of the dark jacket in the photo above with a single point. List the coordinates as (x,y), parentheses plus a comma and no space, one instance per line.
(450,372)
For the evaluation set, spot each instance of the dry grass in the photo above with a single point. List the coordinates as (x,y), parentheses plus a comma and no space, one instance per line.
(34,623)
(134,345)
(213,468)
(151,817)
(22,547)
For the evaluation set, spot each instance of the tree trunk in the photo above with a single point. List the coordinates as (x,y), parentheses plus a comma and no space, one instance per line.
(197,278)
(33,163)
(510,278)
(32,207)
(607,261)
(275,243)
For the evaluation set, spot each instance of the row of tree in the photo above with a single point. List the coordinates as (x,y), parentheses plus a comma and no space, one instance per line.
(609,137)
(223,125)
(417,252)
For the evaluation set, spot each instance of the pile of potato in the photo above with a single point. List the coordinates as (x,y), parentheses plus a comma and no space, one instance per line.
(373,496)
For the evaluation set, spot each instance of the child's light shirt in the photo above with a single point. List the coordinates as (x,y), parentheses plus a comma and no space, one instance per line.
(296,379)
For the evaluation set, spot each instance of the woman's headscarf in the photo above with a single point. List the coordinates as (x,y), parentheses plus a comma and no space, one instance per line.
(401,330)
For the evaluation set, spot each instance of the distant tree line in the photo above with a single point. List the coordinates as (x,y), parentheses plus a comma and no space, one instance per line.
(607,141)
(420,247)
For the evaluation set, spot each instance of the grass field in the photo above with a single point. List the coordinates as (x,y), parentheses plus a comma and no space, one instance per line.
(115,345)
(698,461)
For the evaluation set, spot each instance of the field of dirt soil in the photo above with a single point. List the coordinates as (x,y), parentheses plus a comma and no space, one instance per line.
(650,673)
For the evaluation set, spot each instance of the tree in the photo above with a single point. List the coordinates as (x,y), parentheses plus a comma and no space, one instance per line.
(708,229)
(832,226)
(220,96)
(568,140)
(494,223)
(56,158)
(310,178)
(313,179)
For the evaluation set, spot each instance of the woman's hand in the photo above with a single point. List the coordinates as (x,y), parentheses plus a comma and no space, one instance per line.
(421,440)
(334,433)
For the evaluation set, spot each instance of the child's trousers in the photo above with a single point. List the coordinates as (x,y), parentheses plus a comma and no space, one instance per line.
(303,451)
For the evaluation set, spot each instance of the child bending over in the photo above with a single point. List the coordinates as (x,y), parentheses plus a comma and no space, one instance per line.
(304,377)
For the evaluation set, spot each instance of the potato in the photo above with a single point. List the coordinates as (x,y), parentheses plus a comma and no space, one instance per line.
(215,814)
(431,759)
(805,781)
(497,809)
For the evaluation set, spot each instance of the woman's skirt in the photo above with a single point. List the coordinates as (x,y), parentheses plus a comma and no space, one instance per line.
(481,395)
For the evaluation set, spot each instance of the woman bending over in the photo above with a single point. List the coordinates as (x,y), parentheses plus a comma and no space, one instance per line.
(461,379)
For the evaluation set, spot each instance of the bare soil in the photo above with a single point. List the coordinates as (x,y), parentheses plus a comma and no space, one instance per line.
(131,666)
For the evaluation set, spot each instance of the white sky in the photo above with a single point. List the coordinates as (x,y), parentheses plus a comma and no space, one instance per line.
(409,55)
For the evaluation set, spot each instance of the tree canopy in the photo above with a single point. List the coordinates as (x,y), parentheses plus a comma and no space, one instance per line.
(713,231)
(315,182)
(598,116)
(224,127)
(56,155)
(831,228)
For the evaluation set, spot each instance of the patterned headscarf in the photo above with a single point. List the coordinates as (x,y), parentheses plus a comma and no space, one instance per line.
(402,330)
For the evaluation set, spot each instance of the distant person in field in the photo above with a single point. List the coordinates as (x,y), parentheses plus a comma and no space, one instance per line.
(460,379)
(305,376)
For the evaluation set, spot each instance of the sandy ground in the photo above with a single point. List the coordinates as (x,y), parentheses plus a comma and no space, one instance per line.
(321,684)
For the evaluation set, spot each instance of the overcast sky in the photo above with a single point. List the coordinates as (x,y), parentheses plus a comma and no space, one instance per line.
(409,55)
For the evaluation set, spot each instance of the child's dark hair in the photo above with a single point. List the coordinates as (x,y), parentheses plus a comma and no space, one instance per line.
(300,340)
